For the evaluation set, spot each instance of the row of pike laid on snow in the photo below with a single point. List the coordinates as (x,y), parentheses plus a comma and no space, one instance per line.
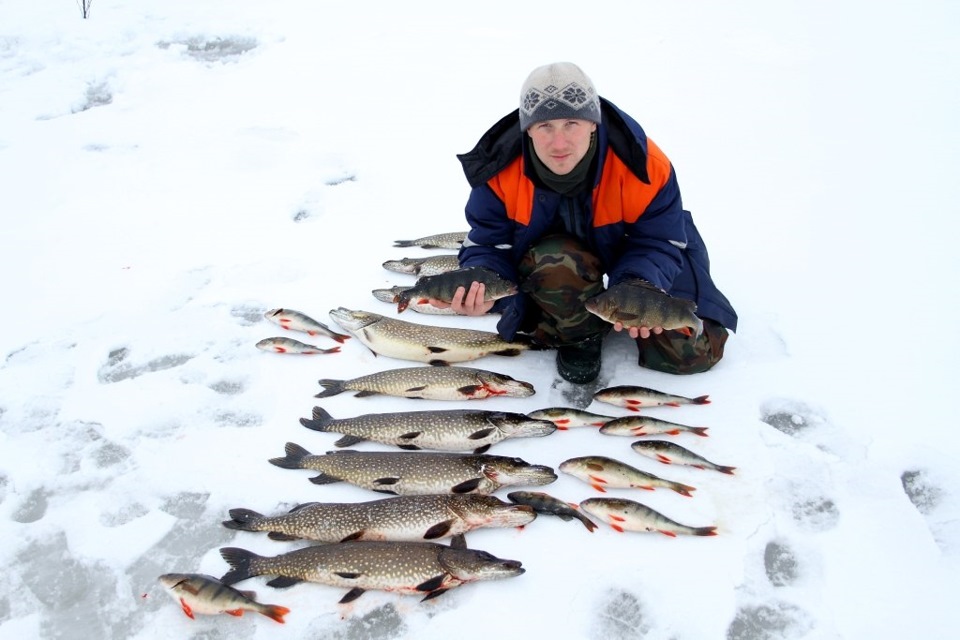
(389,543)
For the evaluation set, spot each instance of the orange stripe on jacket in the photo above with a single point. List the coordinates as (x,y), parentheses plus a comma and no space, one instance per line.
(620,196)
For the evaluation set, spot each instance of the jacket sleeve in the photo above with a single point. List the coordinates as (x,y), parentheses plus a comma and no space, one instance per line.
(652,244)
(489,242)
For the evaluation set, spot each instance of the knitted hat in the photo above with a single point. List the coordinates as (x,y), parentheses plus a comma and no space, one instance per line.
(555,91)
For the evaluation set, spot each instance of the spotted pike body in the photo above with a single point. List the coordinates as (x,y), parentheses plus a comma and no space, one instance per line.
(451,240)
(648,426)
(291,346)
(432,383)
(568,417)
(409,518)
(202,594)
(298,321)
(627,515)
(634,398)
(439,430)
(429,266)
(409,568)
(604,473)
(414,472)
(425,343)
(670,453)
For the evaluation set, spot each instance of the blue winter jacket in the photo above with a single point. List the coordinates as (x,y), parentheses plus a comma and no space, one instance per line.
(638,227)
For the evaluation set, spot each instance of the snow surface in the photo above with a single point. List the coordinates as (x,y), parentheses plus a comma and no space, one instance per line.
(173,169)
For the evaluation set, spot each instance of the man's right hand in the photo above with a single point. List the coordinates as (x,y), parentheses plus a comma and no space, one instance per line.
(467,302)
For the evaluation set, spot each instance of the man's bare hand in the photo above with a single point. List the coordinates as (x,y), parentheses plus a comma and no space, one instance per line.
(639,332)
(467,302)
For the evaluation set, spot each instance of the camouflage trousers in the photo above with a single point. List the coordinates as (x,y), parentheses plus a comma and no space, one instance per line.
(558,274)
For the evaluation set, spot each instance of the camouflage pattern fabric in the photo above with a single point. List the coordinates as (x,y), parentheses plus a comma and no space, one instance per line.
(673,352)
(559,274)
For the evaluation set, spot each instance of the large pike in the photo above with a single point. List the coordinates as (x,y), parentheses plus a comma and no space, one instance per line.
(443,286)
(410,568)
(293,320)
(416,473)
(647,426)
(627,515)
(425,343)
(670,453)
(198,593)
(440,430)
(637,303)
(410,518)
(451,240)
(634,398)
(602,473)
(431,383)
(424,266)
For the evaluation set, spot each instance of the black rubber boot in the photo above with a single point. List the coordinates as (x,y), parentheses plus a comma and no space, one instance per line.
(579,362)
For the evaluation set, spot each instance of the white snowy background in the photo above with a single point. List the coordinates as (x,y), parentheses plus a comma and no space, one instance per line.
(170,169)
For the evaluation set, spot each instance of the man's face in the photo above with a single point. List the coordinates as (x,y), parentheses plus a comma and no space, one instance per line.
(561,144)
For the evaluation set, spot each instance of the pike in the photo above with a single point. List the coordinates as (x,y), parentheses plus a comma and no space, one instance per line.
(392,295)
(637,303)
(203,594)
(546,504)
(670,453)
(416,473)
(409,568)
(451,240)
(289,345)
(601,472)
(633,398)
(420,267)
(431,383)
(443,286)
(567,417)
(627,515)
(647,426)
(440,430)
(297,321)
(424,343)
(403,518)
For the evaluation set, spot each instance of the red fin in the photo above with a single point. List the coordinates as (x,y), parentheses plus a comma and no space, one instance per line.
(563,428)
(664,459)
(235,612)
(673,432)
(639,431)
(632,403)
(276,612)
(687,331)
(186,609)
(280,349)
(617,518)
(562,421)
(598,488)
(702,400)
(633,408)
(645,488)
(597,424)
(598,479)
(311,332)
(671,404)
(667,533)
(617,527)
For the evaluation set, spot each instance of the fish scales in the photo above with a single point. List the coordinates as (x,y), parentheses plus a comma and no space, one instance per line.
(449,240)
(294,320)
(568,417)
(404,518)
(288,345)
(671,453)
(626,515)
(636,303)
(199,593)
(414,472)
(421,568)
(602,473)
(443,286)
(433,383)
(647,426)
(392,295)
(440,430)
(634,397)
(425,343)
(420,267)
